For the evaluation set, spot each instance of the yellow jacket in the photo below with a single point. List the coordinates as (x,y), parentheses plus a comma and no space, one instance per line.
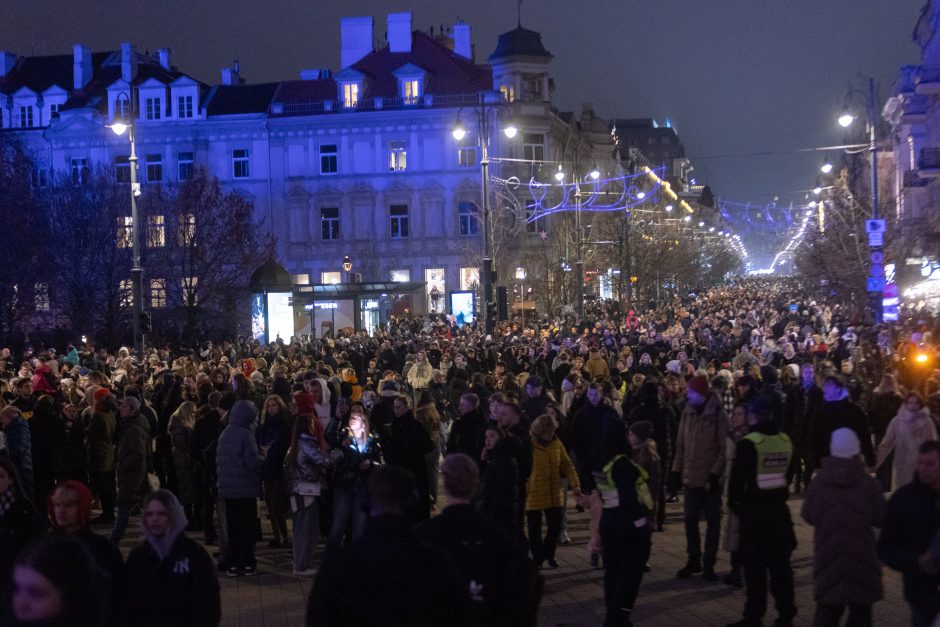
(550,462)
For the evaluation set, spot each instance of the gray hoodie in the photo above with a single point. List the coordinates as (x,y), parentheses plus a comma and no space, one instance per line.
(237,457)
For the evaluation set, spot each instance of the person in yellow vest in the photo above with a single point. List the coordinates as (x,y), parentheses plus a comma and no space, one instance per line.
(625,526)
(757,493)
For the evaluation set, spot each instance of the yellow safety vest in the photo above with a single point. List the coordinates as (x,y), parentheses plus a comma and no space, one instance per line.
(774,453)
(608,489)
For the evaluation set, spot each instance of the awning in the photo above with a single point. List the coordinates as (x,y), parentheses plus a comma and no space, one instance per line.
(346,291)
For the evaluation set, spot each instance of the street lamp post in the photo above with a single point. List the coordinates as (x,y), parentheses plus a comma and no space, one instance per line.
(483,110)
(137,270)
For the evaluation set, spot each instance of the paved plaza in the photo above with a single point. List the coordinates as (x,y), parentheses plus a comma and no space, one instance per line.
(573,593)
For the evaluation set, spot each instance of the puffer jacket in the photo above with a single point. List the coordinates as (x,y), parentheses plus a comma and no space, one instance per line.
(101,438)
(309,463)
(131,465)
(237,458)
(550,462)
(701,448)
(905,433)
(843,503)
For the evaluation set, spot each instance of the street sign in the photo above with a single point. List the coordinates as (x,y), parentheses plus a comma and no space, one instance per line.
(874,226)
(876,284)
(876,239)
(876,270)
(877,257)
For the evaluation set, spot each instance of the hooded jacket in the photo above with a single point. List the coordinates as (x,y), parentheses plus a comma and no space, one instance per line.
(833,415)
(905,433)
(237,458)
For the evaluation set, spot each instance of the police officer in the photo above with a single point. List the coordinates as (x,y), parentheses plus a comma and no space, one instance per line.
(760,473)
(624,526)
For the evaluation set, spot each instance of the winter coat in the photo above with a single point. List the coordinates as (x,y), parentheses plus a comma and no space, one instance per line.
(20,524)
(102,434)
(550,462)
(843,503)
(884,406)
(597,367)
(467,434)
(274,433)
(419,375)
(586,439)
(131,465)
(905,433)
(910,524)
(498,494)
(309,462)
(834,415)
(181,445)
(700,446)
(237,458)
(20,451)
(348,473)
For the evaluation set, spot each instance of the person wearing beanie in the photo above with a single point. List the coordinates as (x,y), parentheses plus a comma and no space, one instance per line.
(699,463)
(843,503)
(835,412)
(758,489)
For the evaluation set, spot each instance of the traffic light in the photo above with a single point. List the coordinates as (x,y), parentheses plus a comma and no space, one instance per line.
(144,319)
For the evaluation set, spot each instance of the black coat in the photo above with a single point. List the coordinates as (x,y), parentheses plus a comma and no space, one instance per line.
(18,526)
(407,445)
(466,435)
(498,495)
(834,415)
(387,578)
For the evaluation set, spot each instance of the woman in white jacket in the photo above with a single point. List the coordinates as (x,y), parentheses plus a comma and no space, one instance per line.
(906,432)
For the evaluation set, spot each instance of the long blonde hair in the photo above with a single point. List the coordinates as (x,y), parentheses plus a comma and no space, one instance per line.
(184,415)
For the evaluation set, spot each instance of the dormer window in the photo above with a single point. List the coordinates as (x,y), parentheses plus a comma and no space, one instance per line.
(350,95)
(410,83)
(152,108)
(508,92)
(184,107)
(122,109)
(26,116)
(410,90)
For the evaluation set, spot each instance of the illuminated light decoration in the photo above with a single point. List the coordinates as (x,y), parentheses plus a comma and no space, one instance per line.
(641,195)
(826,168)
(687,218)
(668,208)
(921,358)
(701,223)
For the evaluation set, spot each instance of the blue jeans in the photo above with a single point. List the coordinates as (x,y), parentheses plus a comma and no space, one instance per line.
(346,510)
(697,501)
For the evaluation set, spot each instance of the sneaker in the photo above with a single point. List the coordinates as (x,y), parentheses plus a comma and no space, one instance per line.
(692,567)
(710,575)
(564,539)
(249,570)
(310,572)
(233,572)
(552,562)
(734,579)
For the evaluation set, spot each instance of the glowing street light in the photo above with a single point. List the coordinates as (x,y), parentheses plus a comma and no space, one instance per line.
(846,119)
(826,168)
(560,174)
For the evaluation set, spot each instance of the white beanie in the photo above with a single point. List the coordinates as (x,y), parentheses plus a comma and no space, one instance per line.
(844,444)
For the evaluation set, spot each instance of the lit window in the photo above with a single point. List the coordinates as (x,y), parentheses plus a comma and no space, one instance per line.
(41,293)
(411,90)
(467,157)
(26,116)
(154,168)
(185,165)
(122,170)
(79,167)
(126,291)
(469,278)
(184,107)
(350,95)
(329,223)
(401,276)
(520,274)
(189,286)
(397,156)
(330,278)
(399,220)
(153,108)
(125,232)
(300,279)
(508,92)
(156,231)
(328,159)
(157,293)
(469,218)
(240,164)
(187,234)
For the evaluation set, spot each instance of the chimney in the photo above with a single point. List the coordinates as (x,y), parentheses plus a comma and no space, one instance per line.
(462,45)
(356,39)
(230,76)
(128,62)
(399,32)
(164,55)
(7,61)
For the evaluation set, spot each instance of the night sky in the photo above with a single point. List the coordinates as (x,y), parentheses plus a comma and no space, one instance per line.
(735,77)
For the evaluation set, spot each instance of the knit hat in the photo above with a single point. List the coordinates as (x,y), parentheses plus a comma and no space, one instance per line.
(699,384)
(304,403)
(642,429)
(844,443)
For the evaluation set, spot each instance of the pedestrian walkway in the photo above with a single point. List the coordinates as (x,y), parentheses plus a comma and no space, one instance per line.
(573,593)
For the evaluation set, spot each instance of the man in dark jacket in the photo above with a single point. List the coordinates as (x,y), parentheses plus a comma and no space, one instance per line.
(19,446)
(911,524)
(836,412)
(405,580)
(661,415)
(535,398)
(130,463)
(407,446)
(467,433)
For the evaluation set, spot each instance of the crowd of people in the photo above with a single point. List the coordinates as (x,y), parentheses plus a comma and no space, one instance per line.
(730,401)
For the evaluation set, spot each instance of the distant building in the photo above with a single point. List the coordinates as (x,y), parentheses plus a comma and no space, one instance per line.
(646,141)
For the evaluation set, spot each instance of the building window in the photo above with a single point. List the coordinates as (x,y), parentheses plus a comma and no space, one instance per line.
(467,157)
(157,293)
(41,294)
(122,170)
(329,223)
(411,90)
(469,218)
(350,95)
(79,168)
(436,289)
(508,92)
(534,226)
(533,147)
(154,168)
(153,108)
(331,278)
(38,178)
(122,109)
(188,286)
(187,226)
(400,276)
(126,293)
(469,278)
(184,107)
(399,220)
(240,164)
(328,159)
(54,110)
(397,156)
(26,116)
(125,232)
(300,279)
(184,162)
(156,231)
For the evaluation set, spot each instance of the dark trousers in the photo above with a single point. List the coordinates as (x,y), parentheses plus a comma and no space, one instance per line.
(240,520)
(758,564)
(543,548)
(103,485)
(626,551)
(697,500)
(830,615)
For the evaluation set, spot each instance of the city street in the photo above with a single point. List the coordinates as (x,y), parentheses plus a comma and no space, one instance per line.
(573,592)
